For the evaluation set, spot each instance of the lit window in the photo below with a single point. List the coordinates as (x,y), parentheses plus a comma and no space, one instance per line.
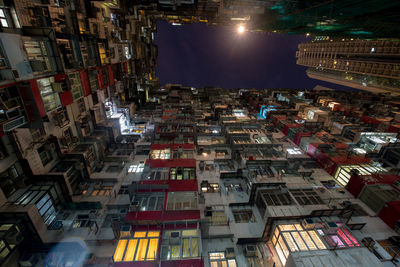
(50,97)
(218,259)
(136,168)
(142,247)
(180,244)
(294,151)
(160,154)
(296,238)
(3,18)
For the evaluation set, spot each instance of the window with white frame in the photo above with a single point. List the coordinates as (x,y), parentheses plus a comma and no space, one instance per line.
(180,244)
(217,259)
(182,201)
(149,202)
(3,18)
(157,174)
(294,151)
(136,168)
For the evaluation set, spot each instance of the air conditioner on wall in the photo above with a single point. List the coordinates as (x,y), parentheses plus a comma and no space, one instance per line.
(308,223)
(230,253)
(174,238)
(250,250)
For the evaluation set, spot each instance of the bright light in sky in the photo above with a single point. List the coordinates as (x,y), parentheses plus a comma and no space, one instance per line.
(241,29)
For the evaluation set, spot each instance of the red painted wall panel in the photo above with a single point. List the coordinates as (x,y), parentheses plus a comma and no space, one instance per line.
(390,213)
(66,98)
(83,75)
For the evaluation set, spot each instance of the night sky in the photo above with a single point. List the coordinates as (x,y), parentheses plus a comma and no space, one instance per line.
(198,55)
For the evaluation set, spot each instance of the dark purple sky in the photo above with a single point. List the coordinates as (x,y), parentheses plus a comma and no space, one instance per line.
(199,55)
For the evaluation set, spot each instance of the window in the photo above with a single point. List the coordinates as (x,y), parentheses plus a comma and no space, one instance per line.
(243,216)
(217,259)
(40,196)
(180,244)
(3,18)
(160,154)
(81,105)
(38,55)
(104,191)
(142,247)
(138,168)
(292,237)
(184,154)
(209,187)
(50,98)
(306,196)
(342,238)
(276,198)
(76,87)
(216,215)
(157,174)
(294,151)
(180,173)
(148,202)
(45,155)
(182,201)
(82,221)
(342,175)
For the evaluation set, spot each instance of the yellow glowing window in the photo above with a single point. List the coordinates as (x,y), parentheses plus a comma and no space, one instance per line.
(317,239)
(307,239)
(152,251)
(287,227)
(95,192)
(141,251)
(139,234)
(189,233)
(289,240)
(119,252)
(299,241)
(130,251)
(153,234)
(299,227)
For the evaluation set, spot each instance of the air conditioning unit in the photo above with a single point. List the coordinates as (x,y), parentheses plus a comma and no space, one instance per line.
(174,238)
(308,224)
(230,253)
(330,227)
(250,251)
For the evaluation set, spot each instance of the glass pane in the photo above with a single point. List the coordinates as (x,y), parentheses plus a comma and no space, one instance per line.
(141,250)
(232,263)
(153,234)
(176,252)
(139,234)
(317,240)
(195,247)
(189,232)
(186,247)
(152,251)
(130,251)
(299,241)
(307,239)
(283,246)
(289,240)
(287,227)
(216,255)
(119,252)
